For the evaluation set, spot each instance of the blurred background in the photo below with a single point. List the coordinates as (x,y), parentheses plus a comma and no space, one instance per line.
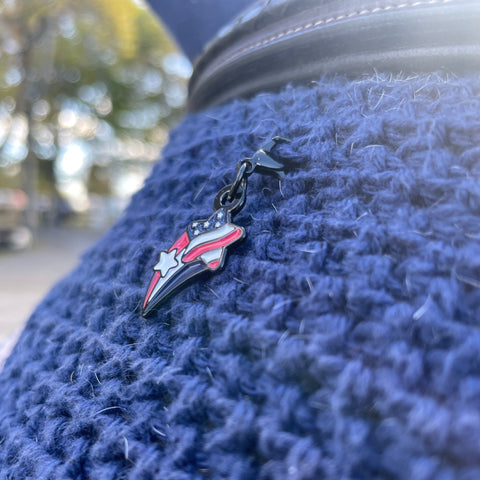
(88,93)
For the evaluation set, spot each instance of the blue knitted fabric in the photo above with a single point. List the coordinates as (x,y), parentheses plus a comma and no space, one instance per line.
(341,340)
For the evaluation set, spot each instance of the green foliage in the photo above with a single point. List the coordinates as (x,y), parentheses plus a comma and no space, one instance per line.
(86,85)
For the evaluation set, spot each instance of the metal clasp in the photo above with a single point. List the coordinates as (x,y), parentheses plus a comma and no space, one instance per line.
(234,196)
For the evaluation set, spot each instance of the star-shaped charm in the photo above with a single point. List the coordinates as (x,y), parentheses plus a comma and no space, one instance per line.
(203,244)
(166,262)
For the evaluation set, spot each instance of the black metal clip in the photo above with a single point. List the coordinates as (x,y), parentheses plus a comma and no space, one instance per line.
(203,244)
(234,196)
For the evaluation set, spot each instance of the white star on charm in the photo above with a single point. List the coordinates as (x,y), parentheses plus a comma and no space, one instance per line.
(166,262)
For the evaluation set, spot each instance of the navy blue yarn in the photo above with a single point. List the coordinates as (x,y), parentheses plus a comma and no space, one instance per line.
(341,341)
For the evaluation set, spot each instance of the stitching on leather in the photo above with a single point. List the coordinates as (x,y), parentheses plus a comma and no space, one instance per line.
(334,19)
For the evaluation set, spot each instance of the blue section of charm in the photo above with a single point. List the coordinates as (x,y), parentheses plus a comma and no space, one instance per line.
(341,342)
(218,219)
(184,275)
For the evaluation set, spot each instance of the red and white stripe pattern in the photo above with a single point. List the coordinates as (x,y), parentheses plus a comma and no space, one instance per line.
(202,246)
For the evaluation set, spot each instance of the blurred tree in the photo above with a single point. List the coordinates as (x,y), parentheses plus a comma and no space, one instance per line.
(88,91)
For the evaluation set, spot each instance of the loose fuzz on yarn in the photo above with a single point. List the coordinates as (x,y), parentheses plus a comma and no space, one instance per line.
(340,342)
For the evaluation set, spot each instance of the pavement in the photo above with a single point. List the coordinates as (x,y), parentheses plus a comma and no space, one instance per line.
(27,275)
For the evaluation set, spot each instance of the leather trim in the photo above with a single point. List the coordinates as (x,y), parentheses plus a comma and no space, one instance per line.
(299,40)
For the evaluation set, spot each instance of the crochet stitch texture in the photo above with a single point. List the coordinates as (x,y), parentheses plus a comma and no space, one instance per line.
(340,341)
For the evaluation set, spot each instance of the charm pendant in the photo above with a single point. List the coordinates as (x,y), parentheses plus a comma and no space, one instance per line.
(202,246)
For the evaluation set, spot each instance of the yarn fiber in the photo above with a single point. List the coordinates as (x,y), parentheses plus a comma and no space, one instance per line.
(340,341)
